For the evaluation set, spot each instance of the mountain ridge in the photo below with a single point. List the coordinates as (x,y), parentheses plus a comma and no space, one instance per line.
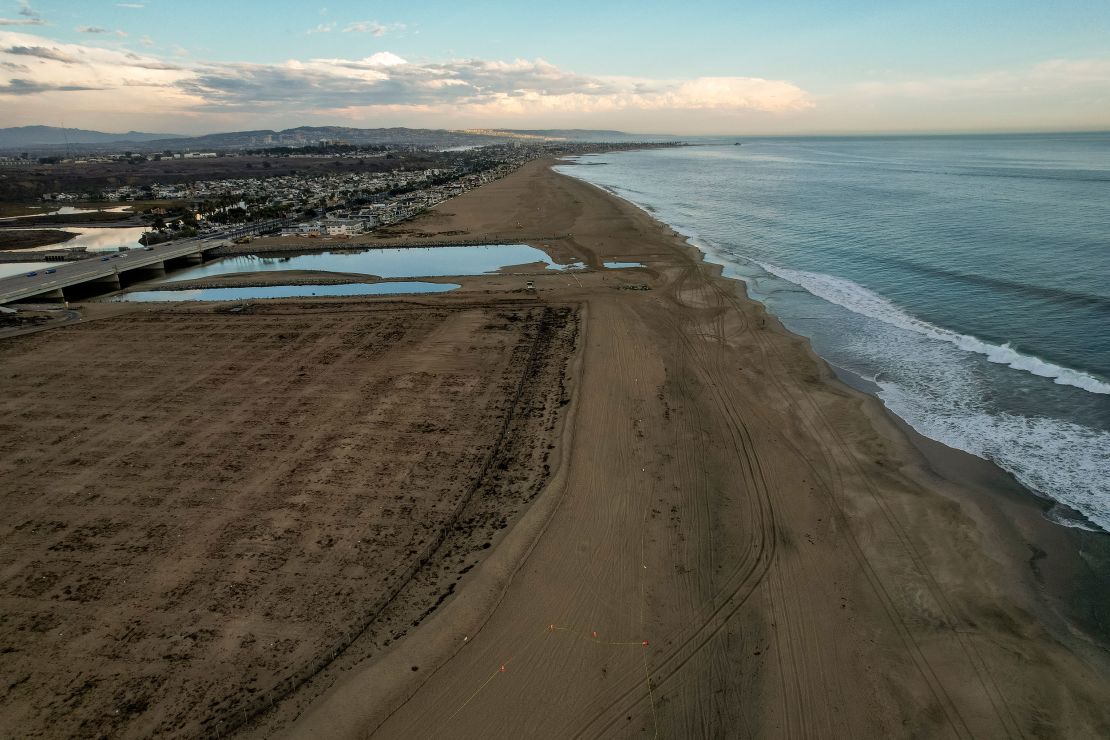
(17,136)
(54,138)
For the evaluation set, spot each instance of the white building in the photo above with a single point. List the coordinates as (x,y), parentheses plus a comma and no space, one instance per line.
(344,226)
(311,229)
(328,227)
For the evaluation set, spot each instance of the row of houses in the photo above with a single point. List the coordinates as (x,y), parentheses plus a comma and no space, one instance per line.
(330,227)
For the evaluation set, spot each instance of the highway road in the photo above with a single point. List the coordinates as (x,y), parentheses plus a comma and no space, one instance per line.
(102,265)
(99,265)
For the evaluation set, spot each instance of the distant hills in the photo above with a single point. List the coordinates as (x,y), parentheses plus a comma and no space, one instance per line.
(54,139)
(304,135)
(36,136)
(573,134)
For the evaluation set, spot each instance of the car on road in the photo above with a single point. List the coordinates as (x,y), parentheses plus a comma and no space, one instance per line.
(51,271)
(148,249)
(104,259)
(32,274)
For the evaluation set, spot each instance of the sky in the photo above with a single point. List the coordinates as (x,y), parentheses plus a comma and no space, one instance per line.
(735,67)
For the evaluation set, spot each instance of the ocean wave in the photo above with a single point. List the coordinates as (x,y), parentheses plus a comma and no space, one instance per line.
(859,299)
(1057,459)
(919,376)
(1059,295)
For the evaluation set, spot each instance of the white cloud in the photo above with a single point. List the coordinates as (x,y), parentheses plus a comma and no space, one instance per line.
(86,78)
(373,28)
(1048,77)
(490,87)
(92,78)
(321,28)
(29,17)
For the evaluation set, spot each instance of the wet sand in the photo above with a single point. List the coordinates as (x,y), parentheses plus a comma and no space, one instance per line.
(735,543)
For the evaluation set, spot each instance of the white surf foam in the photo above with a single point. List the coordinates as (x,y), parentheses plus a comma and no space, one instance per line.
(1060,460)
(859,299)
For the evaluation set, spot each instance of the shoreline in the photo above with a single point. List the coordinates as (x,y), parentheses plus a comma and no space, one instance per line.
(1081,586)
(1077,499)
(907,562)
(965,468)
(942,457)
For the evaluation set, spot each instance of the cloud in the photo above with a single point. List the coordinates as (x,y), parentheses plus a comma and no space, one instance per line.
(42,52)
(22,22)
(99,30)
(321,28)
(30,87)
(1048,77)
(110,86)
(27,11)
(383,82)
(147,63)
(81,79)
(373,28)
(491,87)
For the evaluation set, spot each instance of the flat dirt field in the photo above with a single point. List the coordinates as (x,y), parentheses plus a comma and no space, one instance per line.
(200,509)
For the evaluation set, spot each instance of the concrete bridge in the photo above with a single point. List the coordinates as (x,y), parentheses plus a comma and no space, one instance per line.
(105,272)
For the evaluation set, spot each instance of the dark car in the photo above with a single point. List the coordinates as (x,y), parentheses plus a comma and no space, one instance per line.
(104,259)
(148,249)
(51,271)
(32,274)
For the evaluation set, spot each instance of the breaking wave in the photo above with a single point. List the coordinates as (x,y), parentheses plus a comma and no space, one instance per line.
(859,299)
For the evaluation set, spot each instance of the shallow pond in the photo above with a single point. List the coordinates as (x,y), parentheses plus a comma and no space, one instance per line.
(66,211)
(95,238)
(386,263)
(284,291)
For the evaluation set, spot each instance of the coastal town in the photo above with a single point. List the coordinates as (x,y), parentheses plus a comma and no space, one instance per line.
(392,185)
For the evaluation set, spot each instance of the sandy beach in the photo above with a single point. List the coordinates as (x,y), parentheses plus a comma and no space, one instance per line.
(630,505)
(736,544)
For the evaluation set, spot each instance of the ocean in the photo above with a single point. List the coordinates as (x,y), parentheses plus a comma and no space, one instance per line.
(966,277)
